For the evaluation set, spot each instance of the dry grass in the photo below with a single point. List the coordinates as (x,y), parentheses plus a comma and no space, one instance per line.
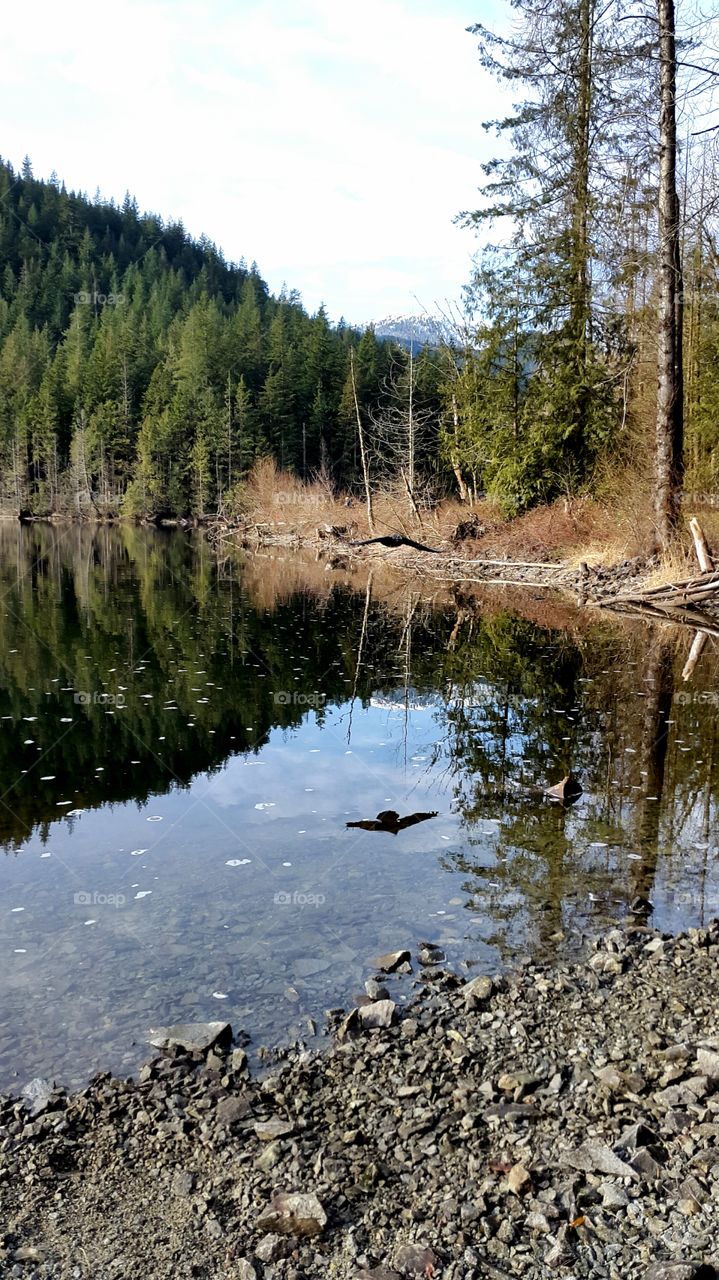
(615,526)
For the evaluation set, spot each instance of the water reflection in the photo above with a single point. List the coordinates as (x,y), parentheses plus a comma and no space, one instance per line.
(190,746)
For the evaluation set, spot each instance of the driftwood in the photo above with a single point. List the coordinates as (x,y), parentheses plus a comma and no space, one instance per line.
(694,654)
(685,601)
(700,546)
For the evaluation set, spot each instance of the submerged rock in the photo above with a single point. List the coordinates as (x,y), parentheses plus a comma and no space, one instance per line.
(192,1036)
(392,960)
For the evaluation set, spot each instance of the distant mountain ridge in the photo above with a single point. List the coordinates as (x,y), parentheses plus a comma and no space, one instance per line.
(416,332)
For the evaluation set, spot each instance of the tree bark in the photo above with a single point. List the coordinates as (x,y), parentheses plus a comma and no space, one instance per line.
(669,456)
(363,454)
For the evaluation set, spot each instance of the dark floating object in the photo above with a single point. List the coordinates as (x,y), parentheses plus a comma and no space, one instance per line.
(641,906)
(566,791)
(388,820)
(396,540)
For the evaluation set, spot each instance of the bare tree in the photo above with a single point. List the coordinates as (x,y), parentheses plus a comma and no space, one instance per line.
(363,451)
(669,455)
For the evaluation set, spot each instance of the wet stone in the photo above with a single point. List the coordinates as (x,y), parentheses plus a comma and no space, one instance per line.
(392,960)
(192,1036)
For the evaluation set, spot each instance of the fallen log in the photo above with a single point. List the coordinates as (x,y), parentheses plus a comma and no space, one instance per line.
(700,546)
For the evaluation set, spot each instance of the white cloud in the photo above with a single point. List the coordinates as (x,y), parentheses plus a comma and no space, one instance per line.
(332,143)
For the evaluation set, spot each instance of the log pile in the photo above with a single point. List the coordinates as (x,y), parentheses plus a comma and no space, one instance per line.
(688,601)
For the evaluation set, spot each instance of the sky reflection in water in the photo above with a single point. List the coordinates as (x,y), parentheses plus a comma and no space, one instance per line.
(182,744)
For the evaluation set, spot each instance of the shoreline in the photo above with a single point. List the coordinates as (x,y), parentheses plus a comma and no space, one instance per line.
(553,1120)
(625,586)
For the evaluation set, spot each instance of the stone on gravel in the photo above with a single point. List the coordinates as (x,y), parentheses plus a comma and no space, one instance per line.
(238,1061)
(613,1197)
(477,991)
(519,1179)
(193,1036)
(230,1110)
(37,1094)
(512,1111)
(244,1270)
(270,1157)
(378,1014)
(268,1130)
(414,1260)
(560,1254)
(645,1164)
(273,1247)
(377,1273)
(595,1157)
(708,1063)
(296,1213)
(603,962)
(182,1183)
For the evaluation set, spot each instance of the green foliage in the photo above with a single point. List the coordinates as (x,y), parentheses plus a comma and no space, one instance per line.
(542,395)
(141,373)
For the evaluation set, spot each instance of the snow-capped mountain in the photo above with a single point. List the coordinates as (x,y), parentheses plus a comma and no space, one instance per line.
(417,331)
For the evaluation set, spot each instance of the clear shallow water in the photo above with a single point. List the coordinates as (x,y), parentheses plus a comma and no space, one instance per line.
(183,741)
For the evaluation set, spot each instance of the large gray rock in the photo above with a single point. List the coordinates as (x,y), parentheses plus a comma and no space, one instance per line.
(414,1260)
(378,1014)
(293,1213)
(36,1095)
(230,1110)
(268,1130)
(193,1036)
(708,1063)
(477,991)
(595,1157)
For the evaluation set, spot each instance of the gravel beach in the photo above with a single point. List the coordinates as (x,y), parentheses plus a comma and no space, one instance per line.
(553,1121)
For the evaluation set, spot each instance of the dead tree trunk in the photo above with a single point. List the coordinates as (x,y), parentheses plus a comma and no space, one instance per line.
(363,452)
(669,457)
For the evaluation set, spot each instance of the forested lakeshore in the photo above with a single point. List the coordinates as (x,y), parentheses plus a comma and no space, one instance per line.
(142,375)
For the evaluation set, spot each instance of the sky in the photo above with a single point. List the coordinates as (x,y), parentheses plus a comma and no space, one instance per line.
(333,143)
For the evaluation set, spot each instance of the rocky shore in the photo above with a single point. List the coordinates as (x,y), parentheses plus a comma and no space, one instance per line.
(554,1121)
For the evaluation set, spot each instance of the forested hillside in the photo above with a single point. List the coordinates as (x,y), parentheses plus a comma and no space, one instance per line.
(141,373)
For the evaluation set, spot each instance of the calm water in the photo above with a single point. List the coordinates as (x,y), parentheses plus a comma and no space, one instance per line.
(182,741)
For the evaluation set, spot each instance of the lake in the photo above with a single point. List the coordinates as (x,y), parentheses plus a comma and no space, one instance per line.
(183,739)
